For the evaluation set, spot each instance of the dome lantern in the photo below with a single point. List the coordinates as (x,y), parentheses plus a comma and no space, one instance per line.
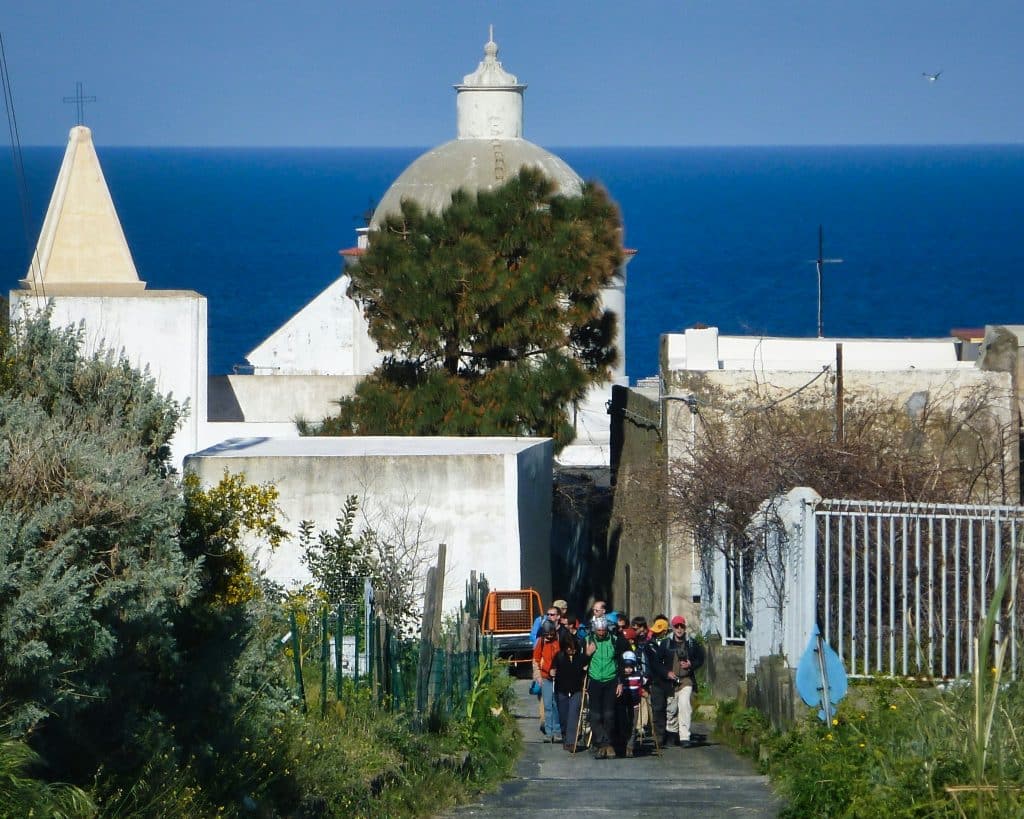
(489,102)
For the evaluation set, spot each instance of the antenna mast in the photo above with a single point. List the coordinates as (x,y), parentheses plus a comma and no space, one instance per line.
(820,263)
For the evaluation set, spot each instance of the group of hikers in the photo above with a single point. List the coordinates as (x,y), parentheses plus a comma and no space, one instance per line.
(635,677)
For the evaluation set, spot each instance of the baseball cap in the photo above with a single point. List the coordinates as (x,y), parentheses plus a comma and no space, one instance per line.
(659,626)
(678,620)
(560,604)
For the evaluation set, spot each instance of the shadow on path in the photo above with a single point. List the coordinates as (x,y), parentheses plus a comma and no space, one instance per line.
(710,781)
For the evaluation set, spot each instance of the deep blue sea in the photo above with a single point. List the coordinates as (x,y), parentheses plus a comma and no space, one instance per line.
(932,238)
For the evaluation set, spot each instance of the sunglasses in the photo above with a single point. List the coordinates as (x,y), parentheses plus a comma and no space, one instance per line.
(554,614)
(680,625)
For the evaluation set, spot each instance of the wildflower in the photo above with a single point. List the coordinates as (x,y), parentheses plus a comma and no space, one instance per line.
(892,707)
(862,745)
(835,720)
(828,737)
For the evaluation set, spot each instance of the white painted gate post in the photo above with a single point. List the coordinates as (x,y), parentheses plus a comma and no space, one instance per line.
(800,609)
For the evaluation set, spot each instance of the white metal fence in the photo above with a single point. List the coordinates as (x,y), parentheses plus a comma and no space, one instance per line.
(896,589)
(903,588)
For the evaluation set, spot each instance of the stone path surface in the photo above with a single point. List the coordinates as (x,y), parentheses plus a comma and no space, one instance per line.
(708,782)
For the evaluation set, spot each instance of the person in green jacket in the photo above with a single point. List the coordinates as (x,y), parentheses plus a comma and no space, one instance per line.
(604,685)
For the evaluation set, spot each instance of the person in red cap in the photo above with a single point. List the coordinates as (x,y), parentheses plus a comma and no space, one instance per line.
(685,655)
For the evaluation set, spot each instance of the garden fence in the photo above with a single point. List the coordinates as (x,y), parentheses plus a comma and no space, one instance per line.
(352,651)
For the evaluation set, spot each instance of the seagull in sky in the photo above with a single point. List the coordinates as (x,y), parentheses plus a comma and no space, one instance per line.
(931,77)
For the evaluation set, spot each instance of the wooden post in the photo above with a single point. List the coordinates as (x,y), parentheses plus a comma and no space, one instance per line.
(426,649)
(442,552)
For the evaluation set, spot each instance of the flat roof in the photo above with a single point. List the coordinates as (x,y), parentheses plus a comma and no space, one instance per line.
(357,446)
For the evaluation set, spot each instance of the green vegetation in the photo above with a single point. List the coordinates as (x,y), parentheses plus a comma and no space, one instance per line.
(891,750)
(491,311)
(140,654)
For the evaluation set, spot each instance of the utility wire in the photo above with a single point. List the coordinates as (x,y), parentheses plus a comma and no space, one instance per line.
(19,170)
(764,408)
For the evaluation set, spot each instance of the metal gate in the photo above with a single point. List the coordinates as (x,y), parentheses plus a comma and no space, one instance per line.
(902,589)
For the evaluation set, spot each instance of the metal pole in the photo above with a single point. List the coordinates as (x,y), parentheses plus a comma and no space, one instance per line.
(324,660)
(300,688)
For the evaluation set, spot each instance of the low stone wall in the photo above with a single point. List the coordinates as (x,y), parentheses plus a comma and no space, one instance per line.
(725,668)
(771,689)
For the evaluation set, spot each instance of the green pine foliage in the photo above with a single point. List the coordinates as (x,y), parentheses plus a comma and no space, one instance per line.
(491,311)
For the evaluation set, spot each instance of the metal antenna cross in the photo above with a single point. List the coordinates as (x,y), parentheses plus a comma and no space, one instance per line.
(80,100)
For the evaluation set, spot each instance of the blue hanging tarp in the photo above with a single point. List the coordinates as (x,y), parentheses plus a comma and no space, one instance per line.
(820,677)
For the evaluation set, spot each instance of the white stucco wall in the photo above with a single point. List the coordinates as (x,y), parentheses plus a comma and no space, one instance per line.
(705,349)
(277,398)
(490,114)
(488,499)
(164,330)
(328,336)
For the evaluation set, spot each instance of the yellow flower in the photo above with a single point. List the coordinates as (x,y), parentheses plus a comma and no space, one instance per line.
(892,707)
(828,737)
(835,720)
(862,745)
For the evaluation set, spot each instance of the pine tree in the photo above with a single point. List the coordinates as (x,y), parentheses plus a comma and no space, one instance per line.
(490,310)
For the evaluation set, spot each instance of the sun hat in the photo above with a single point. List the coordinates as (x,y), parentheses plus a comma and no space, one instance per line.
(678,620)
(659,626)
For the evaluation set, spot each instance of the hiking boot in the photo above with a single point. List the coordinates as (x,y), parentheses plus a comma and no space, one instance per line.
(629,752)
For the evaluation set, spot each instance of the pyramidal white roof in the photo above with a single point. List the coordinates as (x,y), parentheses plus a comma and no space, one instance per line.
(82,248)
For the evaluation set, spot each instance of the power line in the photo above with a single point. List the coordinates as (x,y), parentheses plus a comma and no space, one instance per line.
(35,272)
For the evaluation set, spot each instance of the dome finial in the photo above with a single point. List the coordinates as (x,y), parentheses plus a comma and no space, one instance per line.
(490,47)
(489,73)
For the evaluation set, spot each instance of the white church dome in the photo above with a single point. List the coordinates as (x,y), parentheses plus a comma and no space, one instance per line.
(489,150)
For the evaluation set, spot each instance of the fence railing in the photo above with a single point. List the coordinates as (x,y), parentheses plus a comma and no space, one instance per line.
(896,589)
(352,651)
(903,588)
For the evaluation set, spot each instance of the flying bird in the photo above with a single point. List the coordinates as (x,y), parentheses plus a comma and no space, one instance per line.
(931,77)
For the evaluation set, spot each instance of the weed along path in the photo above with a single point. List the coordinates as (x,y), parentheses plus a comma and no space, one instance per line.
(709,781)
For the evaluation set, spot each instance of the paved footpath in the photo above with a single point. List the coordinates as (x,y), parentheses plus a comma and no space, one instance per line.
(709,781)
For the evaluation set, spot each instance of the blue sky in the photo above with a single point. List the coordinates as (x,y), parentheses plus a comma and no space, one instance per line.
(717,72)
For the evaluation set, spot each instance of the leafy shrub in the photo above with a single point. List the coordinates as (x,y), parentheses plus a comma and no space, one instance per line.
(890,750)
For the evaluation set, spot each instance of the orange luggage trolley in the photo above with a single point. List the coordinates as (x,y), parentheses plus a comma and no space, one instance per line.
(508,618)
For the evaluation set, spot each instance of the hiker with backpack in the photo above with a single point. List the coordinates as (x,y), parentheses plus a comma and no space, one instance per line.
(569,670)
(544,652)
(684,656)
(605,685)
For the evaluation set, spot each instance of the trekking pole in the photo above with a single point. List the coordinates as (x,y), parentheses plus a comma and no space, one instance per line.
(584,700)
(649,717)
